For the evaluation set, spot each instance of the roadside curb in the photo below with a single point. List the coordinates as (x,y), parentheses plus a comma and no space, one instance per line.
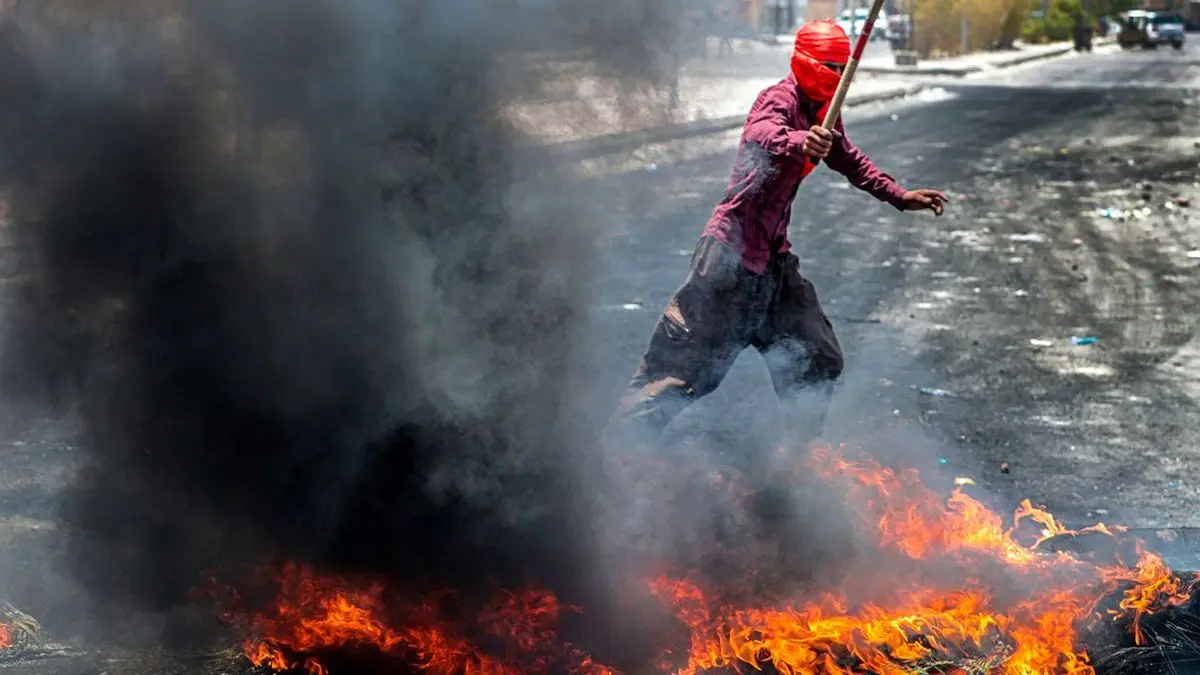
(608,144)
(963,71)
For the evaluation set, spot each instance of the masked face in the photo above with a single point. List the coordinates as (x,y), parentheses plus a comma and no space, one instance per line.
(824,41)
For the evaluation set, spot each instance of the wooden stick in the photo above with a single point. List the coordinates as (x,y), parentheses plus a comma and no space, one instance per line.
(835,106)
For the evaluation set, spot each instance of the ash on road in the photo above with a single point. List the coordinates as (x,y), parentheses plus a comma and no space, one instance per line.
(1076,206)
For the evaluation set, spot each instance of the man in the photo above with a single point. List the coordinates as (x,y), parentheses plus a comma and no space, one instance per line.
(745,287)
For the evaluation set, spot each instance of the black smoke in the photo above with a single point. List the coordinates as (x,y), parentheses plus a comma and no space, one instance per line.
(309,291)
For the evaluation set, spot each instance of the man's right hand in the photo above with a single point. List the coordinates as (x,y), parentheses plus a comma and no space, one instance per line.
(818,142)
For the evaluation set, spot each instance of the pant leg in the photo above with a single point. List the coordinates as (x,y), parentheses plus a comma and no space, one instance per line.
(705,325)
(800,347)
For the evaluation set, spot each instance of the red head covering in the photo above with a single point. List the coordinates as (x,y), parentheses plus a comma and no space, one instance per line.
(824,41)
(817,43)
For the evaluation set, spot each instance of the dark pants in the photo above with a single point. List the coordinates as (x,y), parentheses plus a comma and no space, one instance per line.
(720,310)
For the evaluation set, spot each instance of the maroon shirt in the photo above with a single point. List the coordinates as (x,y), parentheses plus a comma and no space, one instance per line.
(752,218)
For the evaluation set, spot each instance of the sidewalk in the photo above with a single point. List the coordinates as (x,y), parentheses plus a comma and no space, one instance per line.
(706,107)
(721,98)
(969,64)
(595,111)
(589,115)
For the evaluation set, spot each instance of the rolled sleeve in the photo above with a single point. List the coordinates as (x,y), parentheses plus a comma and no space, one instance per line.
(769,126)
(862,173)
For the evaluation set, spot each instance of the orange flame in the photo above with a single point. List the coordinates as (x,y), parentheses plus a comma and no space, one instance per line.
(1153,586)
(6,641)
(924,626)
(921,625)
(317,613)
(974,595)
(915,520)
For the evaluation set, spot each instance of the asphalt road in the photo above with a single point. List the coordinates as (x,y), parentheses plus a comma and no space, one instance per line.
(983,302)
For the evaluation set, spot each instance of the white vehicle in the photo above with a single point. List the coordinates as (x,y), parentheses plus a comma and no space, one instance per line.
(855,26)
(1169,29)
(1148,30)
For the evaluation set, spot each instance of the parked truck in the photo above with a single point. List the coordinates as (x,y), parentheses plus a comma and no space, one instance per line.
(1148,30)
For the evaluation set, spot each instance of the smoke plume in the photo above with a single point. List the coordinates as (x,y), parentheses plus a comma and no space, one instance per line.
(309,291)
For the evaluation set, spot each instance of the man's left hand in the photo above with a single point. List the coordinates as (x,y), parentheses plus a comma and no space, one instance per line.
(918,200)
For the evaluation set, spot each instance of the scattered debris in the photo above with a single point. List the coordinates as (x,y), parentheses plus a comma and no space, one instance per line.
(21,633)
(1003,467)
(856,319)
(1114,213)
(940,393)
(631,306)
(960,481)
(1038,342)
(934,94)
(1183,201)
(1084,340)
(943,460)
(1194,254)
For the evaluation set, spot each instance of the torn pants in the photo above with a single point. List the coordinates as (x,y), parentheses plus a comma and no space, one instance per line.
(721,309)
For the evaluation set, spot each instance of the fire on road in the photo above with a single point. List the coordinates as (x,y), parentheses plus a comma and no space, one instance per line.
(1074,186)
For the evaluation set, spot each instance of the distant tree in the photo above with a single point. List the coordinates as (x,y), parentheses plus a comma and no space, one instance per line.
(1057,24)
(1113,7)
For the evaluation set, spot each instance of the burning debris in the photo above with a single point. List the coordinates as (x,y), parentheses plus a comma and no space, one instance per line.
(19,632)
(961,593)
(315,618)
